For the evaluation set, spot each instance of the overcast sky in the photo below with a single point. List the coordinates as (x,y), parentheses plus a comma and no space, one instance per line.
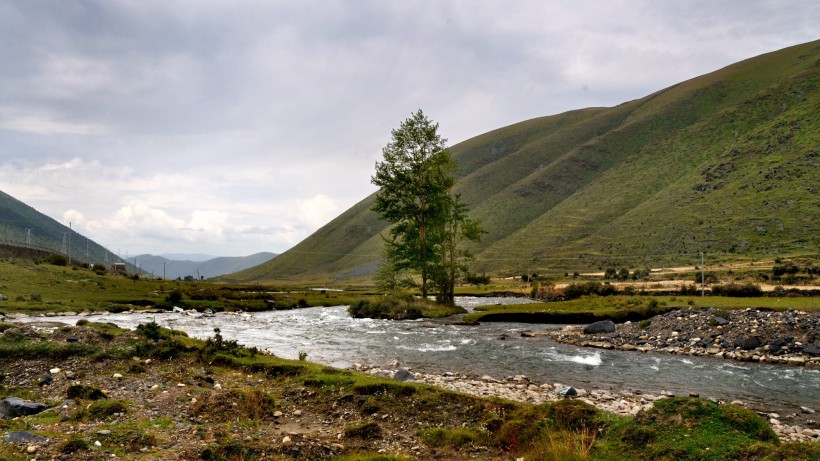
(233,127)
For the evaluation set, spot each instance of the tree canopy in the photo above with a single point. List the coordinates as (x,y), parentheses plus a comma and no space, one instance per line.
(415,195)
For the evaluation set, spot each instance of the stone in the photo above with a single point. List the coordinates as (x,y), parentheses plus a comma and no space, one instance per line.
(721,321)
(402,375)
(748,343)
(812,350)
(807,410)
(23,437)
(567,391)
(603,326)
(47,378)
(73,339)
(12,407)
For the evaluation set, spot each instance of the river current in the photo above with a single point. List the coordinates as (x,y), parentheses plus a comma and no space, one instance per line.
(330,336)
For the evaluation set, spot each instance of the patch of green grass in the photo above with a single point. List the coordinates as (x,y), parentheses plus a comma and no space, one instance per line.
(452,438)
(685,428)
(366,431)
(620,308)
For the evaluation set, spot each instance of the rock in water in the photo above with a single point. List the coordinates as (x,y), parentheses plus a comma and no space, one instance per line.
(12,407)
(604,326)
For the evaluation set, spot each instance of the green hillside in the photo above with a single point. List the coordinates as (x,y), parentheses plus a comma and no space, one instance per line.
(726,163)
(22,225)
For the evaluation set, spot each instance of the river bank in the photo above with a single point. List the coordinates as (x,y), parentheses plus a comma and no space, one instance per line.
(750,335)
(628,403)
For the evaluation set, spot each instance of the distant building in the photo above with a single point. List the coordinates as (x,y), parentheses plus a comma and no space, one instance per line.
(119,268)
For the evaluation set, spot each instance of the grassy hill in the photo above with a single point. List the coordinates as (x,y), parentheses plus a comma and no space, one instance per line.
(726,163)
(22,225)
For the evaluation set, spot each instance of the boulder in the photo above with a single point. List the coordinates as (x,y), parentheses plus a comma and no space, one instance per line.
(748,343)
(567,391)
(403,375)
(12,407)
(23,437)
(812,350)
(603,326)
(721,321)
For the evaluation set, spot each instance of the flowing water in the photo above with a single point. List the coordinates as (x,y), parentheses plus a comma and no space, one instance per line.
(329,336)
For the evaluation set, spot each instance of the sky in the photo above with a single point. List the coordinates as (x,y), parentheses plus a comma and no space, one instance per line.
(238,126)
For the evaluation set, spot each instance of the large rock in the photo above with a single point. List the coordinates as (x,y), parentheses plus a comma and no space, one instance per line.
(12,407)
(23,437)
(814,351)
(403,375)
(748,343)
(604,326)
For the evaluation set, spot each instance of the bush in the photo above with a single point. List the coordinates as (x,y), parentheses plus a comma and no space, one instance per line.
(393,307)
(748,290)
(57,260)
(365,431)
(577,290)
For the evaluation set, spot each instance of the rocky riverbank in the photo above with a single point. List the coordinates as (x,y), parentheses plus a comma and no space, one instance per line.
(750,335)
(520,388)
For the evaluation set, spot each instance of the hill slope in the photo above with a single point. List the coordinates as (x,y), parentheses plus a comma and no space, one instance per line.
(22,225)
(726,163)
(172,269)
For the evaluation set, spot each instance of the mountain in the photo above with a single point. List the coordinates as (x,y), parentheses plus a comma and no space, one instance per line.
(23,226)
(172,269)
(727,163)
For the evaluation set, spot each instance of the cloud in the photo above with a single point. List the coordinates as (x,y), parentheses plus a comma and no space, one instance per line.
(234,128)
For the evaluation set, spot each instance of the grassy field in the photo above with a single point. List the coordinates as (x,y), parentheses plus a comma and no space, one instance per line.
(42,287)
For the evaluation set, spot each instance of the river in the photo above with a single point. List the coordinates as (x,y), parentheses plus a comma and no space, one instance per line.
(329,336)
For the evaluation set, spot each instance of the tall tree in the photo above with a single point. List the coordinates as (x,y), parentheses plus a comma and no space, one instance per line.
(429,223)
(414,181)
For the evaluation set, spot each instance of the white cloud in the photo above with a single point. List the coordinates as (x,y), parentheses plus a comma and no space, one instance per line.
(232,128)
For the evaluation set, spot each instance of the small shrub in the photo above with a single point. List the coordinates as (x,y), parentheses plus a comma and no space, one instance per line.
(80,391)
(365,431)
(644,324)
(73,445)
(441,437)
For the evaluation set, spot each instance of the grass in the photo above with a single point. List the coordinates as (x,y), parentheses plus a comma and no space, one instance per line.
(38,288)
(621,308)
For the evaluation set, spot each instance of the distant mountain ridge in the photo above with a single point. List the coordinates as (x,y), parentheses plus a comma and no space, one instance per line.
(727,163)
(160,266)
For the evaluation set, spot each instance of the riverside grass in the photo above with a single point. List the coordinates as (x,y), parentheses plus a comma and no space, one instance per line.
(448,425)
(620,307)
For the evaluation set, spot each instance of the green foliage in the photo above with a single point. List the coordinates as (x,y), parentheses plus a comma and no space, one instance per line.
(685,428)
(441,437)
(81,391)
(428,223)
(391,307)
(365,431)
(747,290)
(74,444)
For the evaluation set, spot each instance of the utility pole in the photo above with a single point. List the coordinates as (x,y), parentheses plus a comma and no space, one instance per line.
(702,277)
(28,237)
(69,243)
